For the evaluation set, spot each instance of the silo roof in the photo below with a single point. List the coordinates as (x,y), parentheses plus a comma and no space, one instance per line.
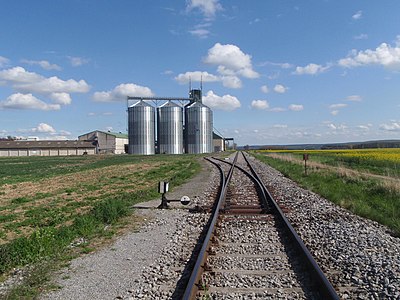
(141,103)
(169,103)
(197,104)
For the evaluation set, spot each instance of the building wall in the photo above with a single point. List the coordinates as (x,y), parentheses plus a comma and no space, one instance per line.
(107,142)
(120,145)
(218,145)
(46,152)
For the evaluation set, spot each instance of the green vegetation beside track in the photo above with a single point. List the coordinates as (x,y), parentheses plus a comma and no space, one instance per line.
(373,197)
(49,204)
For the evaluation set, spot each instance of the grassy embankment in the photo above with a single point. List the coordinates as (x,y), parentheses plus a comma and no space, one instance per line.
(49,203)
(367,182)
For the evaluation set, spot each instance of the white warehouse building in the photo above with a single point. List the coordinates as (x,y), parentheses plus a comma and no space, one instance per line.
(45,148)
(106,142)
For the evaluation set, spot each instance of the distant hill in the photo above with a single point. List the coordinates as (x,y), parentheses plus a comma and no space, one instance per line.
(349,145)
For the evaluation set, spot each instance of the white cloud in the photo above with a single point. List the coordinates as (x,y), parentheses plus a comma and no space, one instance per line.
(120,93)
(46,132)
(4,61)
(362,36)
(65,132)
(44,128)
(231,64)
(231,60)
(260,104)
(256,20)
(232,82)
(337,127)
(355,98)
(279,88)
(61,98)
(18,75)
(274,76)
(357,15)
(338,105)
(311,69)
(280,126)
(384,55)
(53,87)
(57,138)
(277,109)
(26,101)
(209,8)
(334,112)
(296,107)
(77,61)
(226,102)
(264,89)
(364,127)
(229,80)
(42,63)
(392,126)
(196,76)
(280,65)
(200,32)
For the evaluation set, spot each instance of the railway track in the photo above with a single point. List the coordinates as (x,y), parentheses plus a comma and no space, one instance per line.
(250,250)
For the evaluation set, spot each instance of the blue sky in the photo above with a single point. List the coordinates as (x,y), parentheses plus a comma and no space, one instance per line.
(274,72)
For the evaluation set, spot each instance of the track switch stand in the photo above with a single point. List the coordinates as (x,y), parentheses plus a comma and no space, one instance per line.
(163,187)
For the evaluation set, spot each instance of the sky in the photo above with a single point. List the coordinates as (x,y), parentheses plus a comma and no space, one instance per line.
(273,72)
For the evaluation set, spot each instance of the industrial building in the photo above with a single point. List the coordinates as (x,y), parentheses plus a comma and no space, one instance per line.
(106,142)
(179,125)
(218,143)
(45,148)
(180,129)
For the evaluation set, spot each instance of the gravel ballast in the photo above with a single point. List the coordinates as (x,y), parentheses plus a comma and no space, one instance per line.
(359,256)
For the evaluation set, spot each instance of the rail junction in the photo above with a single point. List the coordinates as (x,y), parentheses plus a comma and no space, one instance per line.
(250,250)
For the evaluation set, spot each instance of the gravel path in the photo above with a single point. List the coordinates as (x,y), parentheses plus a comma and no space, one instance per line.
(119,271)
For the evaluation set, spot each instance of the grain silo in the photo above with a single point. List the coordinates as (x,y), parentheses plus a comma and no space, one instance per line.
(170,128)
(141,128)
(198,128)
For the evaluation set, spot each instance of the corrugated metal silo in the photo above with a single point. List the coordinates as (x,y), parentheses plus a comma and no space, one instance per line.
(170,128)
(141,128)
(198,128)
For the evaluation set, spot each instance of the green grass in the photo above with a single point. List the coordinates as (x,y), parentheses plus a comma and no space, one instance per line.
(20,200)
(22,169)
(362,164)
(365,197)
(50,238)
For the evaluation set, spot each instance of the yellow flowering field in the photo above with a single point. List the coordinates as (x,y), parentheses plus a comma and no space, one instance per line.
(387,154)
(381,154)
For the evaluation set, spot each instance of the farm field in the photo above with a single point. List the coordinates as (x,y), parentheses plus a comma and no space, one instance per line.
(384,161)
(48,202)
(366,181)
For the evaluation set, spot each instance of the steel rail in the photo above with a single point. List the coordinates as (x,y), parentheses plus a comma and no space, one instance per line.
(253,178)
(194,280)
(325,286)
